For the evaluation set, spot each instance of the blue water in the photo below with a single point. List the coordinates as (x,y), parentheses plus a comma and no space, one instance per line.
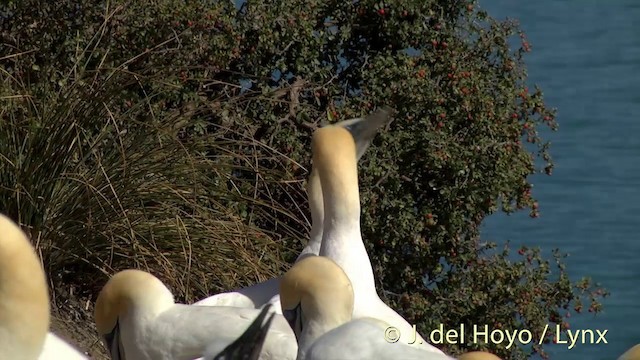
(586,57)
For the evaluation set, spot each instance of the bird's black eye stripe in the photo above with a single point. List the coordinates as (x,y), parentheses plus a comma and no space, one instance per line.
(294,318)
(299,317)
(112,341)
(290,315)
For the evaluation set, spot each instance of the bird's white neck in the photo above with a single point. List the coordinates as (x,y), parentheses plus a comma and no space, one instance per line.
(343,244)
(316,207)
(153,299)
(341,236)
(316,326)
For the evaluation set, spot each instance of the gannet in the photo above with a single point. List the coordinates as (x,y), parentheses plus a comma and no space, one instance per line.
(24,302)
(363,131)
(317,300)
(137,318)
(334,157)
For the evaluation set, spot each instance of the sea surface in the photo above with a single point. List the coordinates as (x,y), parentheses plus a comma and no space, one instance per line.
(586,58)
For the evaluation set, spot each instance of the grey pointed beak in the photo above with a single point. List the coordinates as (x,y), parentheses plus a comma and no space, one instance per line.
(365,129)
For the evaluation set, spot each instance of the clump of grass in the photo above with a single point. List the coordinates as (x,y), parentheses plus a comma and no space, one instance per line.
(103,184)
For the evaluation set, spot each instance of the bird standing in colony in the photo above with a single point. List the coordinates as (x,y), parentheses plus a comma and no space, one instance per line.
(317,299)
(363,131)
(137,318)
(334,157)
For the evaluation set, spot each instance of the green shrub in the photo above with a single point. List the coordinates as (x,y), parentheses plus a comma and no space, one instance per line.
(174,136)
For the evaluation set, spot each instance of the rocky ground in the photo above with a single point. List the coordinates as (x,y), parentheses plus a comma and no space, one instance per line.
(72,320)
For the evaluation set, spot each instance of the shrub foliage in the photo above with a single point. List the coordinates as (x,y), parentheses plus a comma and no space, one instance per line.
(174,136)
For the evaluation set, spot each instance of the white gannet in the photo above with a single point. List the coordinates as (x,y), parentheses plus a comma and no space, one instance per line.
(631,354)
(255,296)
(137,318)
(334,157)
(24,302)
(317,299)
(248,346)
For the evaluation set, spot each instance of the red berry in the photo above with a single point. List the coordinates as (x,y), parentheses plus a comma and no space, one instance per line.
(381,12)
